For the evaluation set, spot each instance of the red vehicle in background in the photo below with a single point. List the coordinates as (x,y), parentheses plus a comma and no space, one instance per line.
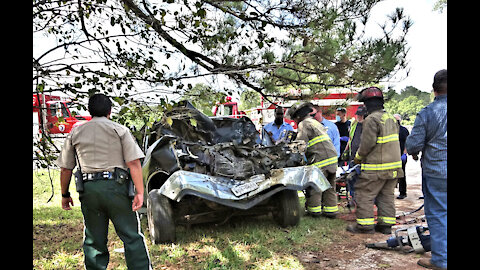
(328,102)
(53,114)
(228,108)
(335,98)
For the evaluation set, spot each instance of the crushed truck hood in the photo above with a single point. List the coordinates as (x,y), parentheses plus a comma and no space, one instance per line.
(242,194)
(223,160)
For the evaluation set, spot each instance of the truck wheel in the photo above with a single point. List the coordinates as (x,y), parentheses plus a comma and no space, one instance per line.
(288,208)
(160,218)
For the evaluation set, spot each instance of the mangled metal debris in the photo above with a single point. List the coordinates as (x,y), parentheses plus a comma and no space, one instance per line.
(242,194)
(200,169)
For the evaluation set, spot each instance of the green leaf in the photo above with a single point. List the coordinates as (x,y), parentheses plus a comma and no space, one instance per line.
(169,121)
(193,122)
(119,100)
(202,13)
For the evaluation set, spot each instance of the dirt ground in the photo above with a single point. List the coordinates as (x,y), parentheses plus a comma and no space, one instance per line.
(351,252)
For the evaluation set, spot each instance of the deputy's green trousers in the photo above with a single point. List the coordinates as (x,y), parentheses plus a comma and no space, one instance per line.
(369,188)
(104,200)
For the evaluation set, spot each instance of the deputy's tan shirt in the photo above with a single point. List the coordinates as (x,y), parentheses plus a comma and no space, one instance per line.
(101,145)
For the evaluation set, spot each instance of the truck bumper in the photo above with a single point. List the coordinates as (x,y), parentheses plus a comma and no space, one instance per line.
(242,194)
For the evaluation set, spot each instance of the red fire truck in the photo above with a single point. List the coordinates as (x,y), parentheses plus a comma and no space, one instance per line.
(335,98)
(228,108)
(53,114)
(260,116)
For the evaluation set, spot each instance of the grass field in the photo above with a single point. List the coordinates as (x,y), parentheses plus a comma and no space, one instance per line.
(247,243)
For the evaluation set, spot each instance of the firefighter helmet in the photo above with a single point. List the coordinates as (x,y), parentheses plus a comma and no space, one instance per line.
(370,92)
(293,111)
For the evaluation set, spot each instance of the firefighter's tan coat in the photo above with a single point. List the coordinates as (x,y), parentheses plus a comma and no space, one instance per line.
(379,147)
(379,152)
(321,153)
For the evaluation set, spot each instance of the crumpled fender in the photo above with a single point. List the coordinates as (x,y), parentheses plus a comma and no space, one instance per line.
(219,189)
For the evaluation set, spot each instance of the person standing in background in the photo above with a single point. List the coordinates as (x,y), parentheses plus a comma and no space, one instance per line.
(331,128)
(342,124)
(355,133)
(402,137)
(277,130)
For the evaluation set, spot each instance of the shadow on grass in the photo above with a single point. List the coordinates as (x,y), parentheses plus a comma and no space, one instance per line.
(253,242)
(246,243)
(55,229)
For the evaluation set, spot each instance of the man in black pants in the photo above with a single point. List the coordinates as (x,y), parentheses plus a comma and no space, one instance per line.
(342,124)
(402,137)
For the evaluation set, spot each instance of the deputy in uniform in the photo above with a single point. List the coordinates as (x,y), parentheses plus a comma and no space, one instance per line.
(104,151)
(321,153)
(379,156)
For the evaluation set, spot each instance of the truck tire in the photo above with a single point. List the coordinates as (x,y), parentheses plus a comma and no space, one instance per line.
(160,218)
(287,211)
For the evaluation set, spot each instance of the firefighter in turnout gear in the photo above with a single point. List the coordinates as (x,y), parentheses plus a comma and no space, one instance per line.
(379,156)
(321,153)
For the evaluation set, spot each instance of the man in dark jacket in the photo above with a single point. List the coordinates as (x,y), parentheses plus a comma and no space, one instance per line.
(355,133)
(343,125)
(402,136)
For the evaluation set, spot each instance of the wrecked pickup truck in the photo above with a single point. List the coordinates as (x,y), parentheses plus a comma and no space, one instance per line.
(199,169)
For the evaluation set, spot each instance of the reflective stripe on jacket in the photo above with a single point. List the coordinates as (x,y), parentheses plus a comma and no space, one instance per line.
(379,148)
(320,150)
(317,139)
(347,153)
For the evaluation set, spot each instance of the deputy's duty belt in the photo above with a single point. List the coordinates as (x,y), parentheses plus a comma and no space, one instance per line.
(97,176)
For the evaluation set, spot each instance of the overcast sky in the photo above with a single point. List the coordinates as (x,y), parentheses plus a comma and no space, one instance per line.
(427,39)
